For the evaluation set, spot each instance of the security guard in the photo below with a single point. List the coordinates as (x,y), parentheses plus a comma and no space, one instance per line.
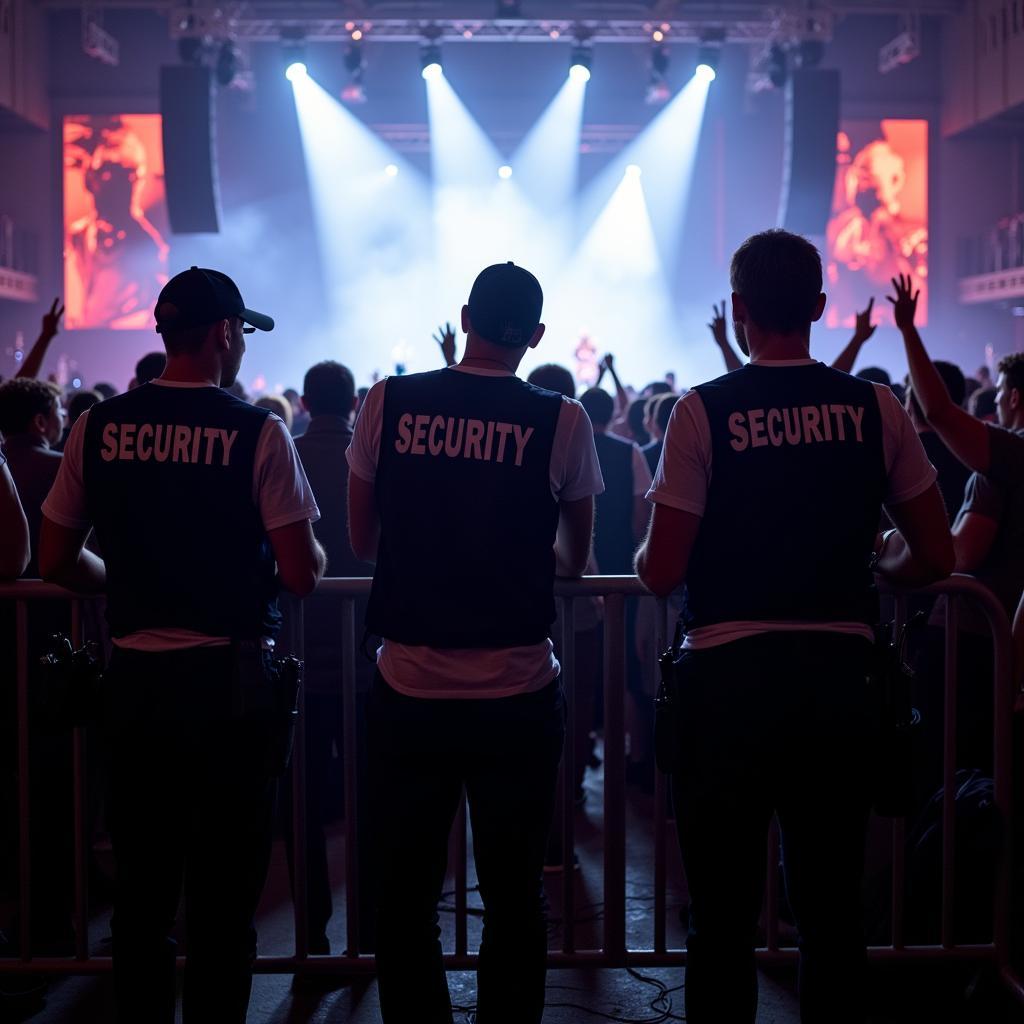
(470,489)
(194,496)
(767,501)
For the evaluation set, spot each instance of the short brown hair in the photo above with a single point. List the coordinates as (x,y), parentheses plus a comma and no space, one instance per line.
(778,276)
(22,399)
(1012,368)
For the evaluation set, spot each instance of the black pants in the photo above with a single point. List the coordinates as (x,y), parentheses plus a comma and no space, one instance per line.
(774,723)
(505,752)
(192,802)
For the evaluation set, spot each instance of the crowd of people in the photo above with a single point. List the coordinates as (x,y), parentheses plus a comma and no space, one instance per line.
(464,492)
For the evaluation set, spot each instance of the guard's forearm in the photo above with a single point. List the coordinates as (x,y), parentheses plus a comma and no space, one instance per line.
(899,567)
(87,575)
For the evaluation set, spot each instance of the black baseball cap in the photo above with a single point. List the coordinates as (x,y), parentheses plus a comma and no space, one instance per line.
(505,305)
(198,296)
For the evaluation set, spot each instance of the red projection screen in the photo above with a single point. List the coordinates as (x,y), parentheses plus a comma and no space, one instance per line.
(879,223)
(115,220)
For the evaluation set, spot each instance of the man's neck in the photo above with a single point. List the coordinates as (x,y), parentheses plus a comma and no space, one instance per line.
(485,355)
(180,370)
(778,347)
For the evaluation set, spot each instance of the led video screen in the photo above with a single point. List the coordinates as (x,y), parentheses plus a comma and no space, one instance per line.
(115,220)
(879,223)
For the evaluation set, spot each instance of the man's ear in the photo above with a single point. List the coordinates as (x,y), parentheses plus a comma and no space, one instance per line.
(537,335)
(466,325)
(739,309)
(302,403)
(1015,398)
(39,423)
(819,307)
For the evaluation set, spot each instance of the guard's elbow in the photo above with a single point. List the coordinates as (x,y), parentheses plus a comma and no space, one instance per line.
(301,582)
(937,564)
(51,569)
(657,583)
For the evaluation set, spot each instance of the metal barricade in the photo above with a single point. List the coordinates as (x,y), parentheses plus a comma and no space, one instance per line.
(613,949)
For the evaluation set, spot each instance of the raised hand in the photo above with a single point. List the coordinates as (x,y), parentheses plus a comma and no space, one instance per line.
(445,339)
(51,320)
(904,304)
(608,363)
(863,328)
(717,325)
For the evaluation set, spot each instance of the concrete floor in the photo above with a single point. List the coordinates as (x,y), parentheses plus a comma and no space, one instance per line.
(573,995)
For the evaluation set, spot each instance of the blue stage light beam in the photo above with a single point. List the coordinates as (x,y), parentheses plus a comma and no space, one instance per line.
(613,290)
(480,213)
(666,153)
(547,160)
(373,213)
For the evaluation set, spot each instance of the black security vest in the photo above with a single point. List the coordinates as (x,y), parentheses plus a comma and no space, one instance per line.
(613,508)
(168,475)
(468,521)
(797,481)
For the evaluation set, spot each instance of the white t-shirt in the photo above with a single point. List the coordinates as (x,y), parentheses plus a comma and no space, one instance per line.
(279,489)
(446,673)
(684,474)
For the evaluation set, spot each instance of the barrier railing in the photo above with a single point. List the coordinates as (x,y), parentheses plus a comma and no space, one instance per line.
(613,949)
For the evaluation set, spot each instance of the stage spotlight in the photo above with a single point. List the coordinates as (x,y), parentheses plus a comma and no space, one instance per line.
(353,92)
(227,63)
(504,172)
(391,170)
(295,71)
(633,171)
(778,66)
(809,54)
(579,63)
(430,61)
(707,62)
(191,50)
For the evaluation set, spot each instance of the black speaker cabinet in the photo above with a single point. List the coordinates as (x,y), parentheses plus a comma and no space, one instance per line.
(809,159)
(190,165)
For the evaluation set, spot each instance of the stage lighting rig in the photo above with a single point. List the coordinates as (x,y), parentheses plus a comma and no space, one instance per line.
(809,54)
(658,91)
(430,60)
(228,63)
(293,49)
(707,63)
(903,49)
(97,42)
(355,65)
(708,54)
(579,63)
(778,66)
(191,50)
